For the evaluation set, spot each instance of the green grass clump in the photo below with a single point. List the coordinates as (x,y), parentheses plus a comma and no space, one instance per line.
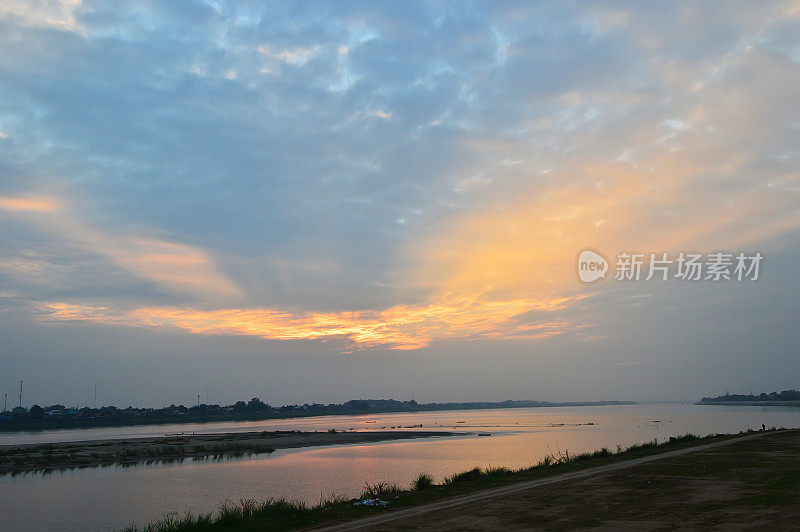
(496,472)
(381,490)
(229,514)
(422,482)
(249,510)
(477,474)
(175,523)
(464,476)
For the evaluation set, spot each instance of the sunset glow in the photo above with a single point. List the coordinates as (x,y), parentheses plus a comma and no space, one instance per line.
(354,256)
(410,185)
(400,327)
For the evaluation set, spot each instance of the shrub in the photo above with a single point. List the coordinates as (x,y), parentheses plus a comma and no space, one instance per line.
(422,482)
(465,476)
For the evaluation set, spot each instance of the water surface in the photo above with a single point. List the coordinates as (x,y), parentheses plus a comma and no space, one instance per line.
(111,498)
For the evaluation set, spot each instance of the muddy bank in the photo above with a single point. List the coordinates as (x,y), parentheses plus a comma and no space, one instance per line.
(15,459)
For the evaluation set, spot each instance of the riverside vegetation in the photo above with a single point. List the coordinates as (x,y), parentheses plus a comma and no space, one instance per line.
(282,514)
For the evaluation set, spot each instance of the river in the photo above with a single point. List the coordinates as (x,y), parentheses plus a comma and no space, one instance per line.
(114,497)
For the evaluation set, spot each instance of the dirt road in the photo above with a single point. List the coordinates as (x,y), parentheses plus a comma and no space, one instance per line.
(696,486)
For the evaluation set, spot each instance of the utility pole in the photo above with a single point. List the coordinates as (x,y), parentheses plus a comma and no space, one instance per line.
(95,396)
(20,394)
(198,399)
(5,402)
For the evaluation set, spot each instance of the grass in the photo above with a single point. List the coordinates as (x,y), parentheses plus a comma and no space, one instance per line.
(230,514)
(478,474)
(381,490)
(234,515)
(422,482)
(465,476)
(281,514)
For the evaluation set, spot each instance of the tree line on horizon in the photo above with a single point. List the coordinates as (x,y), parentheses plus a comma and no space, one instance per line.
(785,395)
(255,407)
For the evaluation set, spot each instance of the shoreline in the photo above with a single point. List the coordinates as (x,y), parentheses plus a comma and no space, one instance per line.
(47,457)
(50,424)
(454,503)
(697,487)
(748,403)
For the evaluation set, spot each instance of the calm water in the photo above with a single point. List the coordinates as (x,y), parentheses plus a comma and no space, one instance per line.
(111,498)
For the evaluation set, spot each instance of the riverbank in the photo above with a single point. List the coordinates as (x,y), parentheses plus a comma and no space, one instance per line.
(752,476)
(93,418)
(748,484)
(748,403)
(16,459)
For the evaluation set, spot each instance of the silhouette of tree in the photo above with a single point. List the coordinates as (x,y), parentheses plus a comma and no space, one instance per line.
(256,405)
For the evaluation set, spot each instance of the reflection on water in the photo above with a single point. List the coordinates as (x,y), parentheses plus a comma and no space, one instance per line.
(102,499)
(220,457)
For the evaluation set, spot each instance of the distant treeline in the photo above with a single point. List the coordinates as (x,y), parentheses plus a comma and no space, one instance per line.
(60,416)
(786,395)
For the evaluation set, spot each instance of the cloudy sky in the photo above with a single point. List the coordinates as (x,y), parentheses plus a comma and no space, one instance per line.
(312,202)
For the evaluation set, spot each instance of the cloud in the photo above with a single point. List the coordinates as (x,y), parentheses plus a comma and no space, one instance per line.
(28,204)
(401,327)
(291,56)
(56,14)
(175,267)
(390,174)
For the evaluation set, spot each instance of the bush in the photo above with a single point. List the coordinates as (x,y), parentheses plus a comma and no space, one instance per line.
(466,476)
(422,482)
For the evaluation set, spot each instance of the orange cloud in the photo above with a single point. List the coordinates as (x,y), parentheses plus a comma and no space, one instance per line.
(505,272)
(174,266)
(30,204)
(527,247)
(400,327)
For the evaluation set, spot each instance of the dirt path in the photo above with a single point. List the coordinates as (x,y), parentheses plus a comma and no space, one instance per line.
(437,516)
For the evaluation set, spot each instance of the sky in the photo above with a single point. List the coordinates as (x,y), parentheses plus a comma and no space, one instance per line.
(320,201)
